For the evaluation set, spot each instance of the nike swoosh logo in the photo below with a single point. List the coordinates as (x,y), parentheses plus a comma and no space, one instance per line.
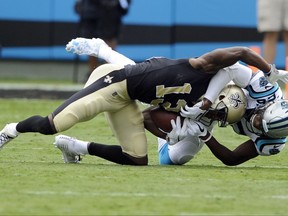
(200,128)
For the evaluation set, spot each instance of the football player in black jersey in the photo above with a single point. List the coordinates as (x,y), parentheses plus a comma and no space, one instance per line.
(114,89)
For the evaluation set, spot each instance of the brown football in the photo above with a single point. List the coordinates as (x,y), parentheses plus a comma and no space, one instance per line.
(162,118)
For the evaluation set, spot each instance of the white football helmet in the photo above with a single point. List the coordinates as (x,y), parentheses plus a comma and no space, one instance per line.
(229,107)
(274,117)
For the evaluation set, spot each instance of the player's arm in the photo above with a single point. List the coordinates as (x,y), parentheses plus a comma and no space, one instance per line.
(242,153)
(224,57)
(224,61)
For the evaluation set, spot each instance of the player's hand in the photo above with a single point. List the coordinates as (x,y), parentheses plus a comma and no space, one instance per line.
(283,76)
(178,131)
(275,75)
(195,128)
(194,112)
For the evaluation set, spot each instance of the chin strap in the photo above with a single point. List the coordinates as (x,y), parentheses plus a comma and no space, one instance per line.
(253,129)
(264,125)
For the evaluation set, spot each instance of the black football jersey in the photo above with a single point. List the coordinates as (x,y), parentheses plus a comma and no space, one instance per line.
(166,82)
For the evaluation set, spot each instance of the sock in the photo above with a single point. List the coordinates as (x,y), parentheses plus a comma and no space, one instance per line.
(163,154)
(161,142)
(111,153)
(113,57)
(10,130)
(82,147)
(36,124)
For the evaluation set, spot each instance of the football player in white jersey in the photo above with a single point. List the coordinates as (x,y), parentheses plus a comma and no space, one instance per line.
(258,91)
(262,98)
(265,123)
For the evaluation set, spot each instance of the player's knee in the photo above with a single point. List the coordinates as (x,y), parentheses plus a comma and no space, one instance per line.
(181,160)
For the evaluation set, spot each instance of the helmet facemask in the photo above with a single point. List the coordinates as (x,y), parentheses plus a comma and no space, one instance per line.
(274,120)
(219,113)
(229,107)
(259,111)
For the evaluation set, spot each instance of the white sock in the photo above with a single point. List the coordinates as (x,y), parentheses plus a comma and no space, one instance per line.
(113,57)
(81,147)
(161,142)
(10,130)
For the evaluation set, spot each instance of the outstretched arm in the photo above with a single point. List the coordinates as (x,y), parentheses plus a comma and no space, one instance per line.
(223,62)
(224,57)
(242,153)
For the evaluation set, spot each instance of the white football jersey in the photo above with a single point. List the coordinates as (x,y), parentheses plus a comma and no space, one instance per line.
(259,92)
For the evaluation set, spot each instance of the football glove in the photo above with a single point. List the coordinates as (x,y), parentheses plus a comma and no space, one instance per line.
(194,112)
(274,75)
(283,76)
(178,131)
(195,128)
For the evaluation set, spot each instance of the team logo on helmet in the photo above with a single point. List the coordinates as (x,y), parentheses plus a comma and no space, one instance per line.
(235,100)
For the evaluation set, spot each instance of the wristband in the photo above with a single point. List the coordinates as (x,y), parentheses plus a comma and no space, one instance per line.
(206,139)
(269,72)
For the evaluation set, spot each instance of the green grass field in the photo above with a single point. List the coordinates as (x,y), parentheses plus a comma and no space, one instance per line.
(35,181)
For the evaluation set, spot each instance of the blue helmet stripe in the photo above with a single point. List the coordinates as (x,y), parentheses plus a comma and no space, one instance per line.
(277,124)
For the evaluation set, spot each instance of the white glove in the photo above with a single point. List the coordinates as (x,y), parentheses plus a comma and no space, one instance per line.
(84,46)
(283,76)
(193,112)
(178,132)
(195,128)
(273,75)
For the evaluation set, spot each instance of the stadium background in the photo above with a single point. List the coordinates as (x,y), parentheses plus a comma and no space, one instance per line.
(34,180)
(39,29)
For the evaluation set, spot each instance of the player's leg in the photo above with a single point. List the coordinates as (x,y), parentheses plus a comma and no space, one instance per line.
(285,30)
(179,153)
(163,152)
(82,106)
(32,124)
(127,125)
(98,48)
(270,24)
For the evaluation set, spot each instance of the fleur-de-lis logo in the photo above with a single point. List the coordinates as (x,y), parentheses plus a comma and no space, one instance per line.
(235,100)
(108,79)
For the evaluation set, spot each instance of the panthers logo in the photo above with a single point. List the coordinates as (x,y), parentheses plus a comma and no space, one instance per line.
(263,81)
(284,105)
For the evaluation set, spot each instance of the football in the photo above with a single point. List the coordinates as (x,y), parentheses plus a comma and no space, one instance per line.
(162,118)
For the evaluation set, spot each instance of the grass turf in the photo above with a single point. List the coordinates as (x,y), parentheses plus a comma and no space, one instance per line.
(35,181)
